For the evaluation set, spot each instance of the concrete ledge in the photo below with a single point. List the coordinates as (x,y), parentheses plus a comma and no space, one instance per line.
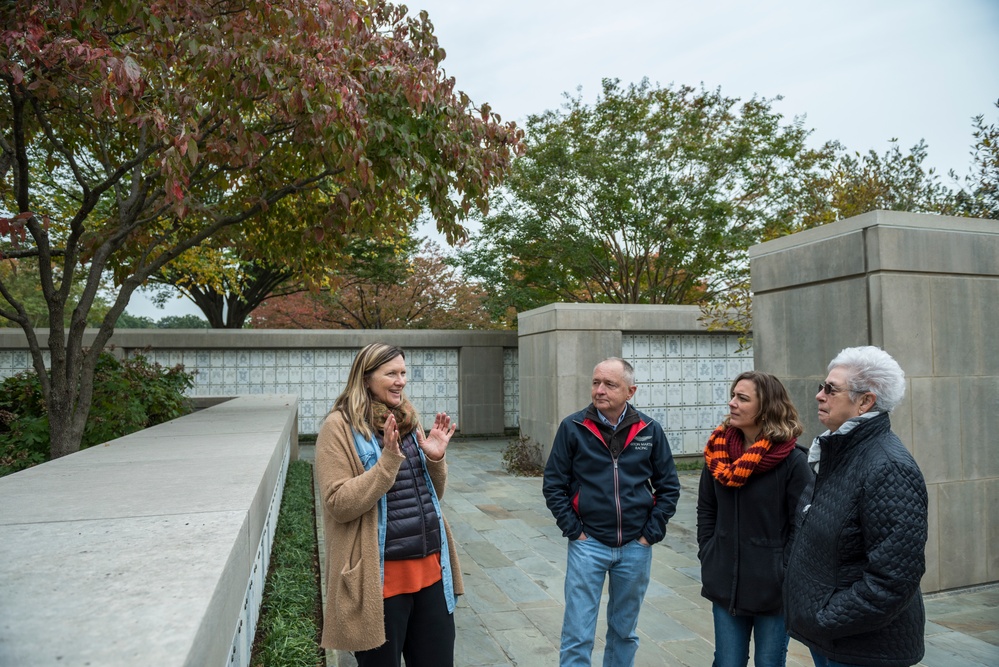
(889,241)
(630,318)
(151,549)
(205,402)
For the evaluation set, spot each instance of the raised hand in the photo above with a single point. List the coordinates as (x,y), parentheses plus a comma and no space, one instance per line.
(391,439)
(435,443)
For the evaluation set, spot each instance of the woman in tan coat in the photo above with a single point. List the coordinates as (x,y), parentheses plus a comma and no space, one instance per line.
(392,567)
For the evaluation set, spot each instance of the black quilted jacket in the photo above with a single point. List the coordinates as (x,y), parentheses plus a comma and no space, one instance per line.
(851,590)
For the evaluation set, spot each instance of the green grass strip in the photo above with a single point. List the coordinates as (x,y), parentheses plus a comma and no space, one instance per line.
(290,615)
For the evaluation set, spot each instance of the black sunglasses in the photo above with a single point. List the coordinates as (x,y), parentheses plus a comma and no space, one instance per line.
(829,389)
(832,391)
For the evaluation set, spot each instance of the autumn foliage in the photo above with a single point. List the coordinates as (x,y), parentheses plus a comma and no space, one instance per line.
(134,131)
(431,294)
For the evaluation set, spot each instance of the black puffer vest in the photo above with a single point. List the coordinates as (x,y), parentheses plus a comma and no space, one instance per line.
(851,589)
(413,529)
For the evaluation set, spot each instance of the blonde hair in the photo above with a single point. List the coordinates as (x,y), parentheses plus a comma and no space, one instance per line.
(355,399)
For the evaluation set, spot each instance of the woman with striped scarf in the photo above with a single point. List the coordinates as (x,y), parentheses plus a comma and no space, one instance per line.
(750,485)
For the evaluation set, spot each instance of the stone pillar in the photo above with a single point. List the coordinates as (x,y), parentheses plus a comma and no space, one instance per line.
(924,288)
(559,346)
(480,385)
(562,342)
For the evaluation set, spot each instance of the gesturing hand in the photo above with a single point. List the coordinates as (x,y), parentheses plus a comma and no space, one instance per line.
(390,438)
(435,443)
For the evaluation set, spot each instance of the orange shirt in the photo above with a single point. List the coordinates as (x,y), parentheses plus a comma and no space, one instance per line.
(411,575)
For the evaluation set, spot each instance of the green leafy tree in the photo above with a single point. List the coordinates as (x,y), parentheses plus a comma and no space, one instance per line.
(894,181)
(230,282)
(128,321)
(20,277)
(225,286)
(305,304)
(182,322)
(980,197)
(134,131)
(852,185)
(645,197)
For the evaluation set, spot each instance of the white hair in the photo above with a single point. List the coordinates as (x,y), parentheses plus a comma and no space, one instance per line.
(872,369)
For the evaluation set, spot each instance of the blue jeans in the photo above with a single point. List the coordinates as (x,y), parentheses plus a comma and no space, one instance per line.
(822,661)
(732,635)
(629,567)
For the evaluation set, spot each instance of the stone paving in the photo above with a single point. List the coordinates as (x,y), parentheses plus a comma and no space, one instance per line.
(513,563)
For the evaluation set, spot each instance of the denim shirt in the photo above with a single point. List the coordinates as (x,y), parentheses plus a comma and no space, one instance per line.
(369,452)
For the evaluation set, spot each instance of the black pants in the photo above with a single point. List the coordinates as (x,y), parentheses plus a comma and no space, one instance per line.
(417,627)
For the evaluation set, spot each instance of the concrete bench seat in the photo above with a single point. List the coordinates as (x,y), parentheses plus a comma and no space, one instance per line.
(151,549)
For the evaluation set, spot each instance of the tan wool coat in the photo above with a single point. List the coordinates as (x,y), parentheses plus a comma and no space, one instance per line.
(354,616)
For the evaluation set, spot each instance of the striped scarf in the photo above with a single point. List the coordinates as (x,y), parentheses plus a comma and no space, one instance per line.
(731,466)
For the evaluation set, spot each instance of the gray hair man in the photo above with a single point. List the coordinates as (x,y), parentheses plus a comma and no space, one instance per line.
(611,484)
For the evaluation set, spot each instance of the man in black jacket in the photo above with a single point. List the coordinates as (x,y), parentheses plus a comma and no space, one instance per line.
(612,485)
(851,590)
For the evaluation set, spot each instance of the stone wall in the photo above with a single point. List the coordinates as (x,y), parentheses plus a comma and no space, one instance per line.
(925,288)
(464,373)
(682,371)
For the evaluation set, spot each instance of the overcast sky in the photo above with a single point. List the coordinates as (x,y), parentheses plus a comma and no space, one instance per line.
(860,72)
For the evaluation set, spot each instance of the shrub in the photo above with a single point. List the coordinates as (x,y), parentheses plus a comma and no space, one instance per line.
(24,423)
(688,463)
(522,457)
(129,395)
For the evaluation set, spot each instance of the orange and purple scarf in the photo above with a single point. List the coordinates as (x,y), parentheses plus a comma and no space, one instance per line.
(731,466)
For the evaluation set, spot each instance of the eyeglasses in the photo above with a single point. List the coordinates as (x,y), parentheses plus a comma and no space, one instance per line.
(831,390)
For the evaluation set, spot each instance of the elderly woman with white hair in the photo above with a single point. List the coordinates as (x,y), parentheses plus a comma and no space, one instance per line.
(851,588)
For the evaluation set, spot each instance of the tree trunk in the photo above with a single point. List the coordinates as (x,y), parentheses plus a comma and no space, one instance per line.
(229,309)
(65,426)
(67,408)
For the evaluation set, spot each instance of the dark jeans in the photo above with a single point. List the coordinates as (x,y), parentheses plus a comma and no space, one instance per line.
(417,627)
(822,661)
(732,635)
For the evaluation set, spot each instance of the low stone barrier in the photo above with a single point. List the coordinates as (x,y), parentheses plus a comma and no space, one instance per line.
(151,549)
(471,375)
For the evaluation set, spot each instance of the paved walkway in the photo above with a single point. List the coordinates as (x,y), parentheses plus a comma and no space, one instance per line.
(513,562)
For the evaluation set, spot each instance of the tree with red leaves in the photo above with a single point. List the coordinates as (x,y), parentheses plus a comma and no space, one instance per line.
(132,132)
(418,292)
